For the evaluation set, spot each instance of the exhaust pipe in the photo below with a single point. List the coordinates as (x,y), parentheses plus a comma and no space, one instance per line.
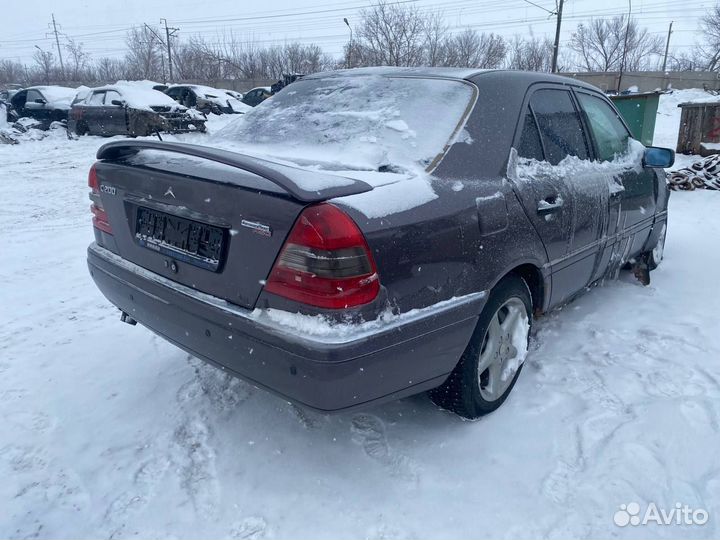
(124,317)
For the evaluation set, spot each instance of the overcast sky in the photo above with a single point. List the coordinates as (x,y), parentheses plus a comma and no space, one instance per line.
(101,24)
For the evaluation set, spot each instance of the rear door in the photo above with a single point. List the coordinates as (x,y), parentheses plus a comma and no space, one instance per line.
(633,202)
(563,194)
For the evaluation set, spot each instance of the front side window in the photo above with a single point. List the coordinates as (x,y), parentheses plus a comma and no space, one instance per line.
(560,126)
(112,95)
(610,134)
(96,99)
(32,95)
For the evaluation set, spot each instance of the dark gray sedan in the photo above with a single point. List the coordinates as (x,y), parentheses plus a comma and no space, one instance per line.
(377,233)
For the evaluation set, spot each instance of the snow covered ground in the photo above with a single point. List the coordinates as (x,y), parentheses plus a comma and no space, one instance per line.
(108,431)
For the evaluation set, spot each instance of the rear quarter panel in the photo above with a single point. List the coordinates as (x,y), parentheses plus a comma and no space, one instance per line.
(474,232)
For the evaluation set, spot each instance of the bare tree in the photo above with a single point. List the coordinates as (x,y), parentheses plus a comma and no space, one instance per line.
(145,55)
(435,40)
(531,54)
(11,72)
(472,49)
(708,53)
(45,63)
(111,69)
(391,35)
(78,61)
(600,45)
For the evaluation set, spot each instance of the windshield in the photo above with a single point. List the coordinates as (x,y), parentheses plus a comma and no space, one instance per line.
(363,121)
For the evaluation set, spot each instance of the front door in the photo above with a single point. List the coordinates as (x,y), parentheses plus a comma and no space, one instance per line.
(633,199)
(93,113)
(115,115)
(36,106)
(562,190)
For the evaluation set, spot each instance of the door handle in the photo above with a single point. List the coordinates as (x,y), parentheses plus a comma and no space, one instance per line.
(550,204)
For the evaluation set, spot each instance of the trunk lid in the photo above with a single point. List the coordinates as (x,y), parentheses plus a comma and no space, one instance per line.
(211,220)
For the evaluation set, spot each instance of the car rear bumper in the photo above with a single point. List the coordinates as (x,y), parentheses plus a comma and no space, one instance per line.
(347,366)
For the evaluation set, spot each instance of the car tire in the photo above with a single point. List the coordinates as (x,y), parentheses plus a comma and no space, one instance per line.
(655,255)
(493,360)
(81,129)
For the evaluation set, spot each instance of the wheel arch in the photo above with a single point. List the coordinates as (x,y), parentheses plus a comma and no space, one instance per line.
(535,280)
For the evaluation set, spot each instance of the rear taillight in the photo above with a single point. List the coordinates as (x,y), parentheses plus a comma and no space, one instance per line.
(325,262)
(100,219)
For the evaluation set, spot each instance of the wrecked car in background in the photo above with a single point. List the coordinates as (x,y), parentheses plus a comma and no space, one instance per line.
(131,110)
(257,95)
(44,104)
(206,99)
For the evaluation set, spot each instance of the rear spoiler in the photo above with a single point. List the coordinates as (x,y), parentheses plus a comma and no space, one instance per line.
(279,174)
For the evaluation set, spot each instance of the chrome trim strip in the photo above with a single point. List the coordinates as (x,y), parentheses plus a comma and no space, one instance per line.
(268,320)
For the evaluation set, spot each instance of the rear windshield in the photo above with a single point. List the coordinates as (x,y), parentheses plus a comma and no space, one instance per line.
(364,121)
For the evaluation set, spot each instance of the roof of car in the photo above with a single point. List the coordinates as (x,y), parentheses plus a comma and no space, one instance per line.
(524,77)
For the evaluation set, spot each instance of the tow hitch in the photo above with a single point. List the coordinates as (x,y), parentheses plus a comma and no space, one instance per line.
(124,317)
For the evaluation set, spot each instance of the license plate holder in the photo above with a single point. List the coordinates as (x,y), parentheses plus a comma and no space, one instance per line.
(180,238)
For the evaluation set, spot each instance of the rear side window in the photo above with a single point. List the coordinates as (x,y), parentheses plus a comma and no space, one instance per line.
(560,126)
(610,134)
(529,145)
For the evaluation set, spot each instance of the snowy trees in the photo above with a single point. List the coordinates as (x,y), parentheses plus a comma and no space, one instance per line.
(402,35)
(601,45)
(708,53)
(386,33)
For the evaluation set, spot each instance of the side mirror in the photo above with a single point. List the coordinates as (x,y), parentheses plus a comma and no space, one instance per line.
(117,103)
(660,158)
(40,101)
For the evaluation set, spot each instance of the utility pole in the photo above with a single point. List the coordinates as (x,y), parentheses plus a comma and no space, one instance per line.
(627,31)
(556,46)
(348,61)
(667,47)
(57,42)
(169,32)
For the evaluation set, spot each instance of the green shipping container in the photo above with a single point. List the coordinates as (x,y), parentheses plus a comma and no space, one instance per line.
(639,112)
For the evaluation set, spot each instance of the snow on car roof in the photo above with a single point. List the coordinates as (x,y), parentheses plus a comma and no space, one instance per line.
(217,92)
(141,96)
(56,94)
(217,95)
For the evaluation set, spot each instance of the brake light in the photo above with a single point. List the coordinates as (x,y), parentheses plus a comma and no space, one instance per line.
(100,219)
(325,262)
